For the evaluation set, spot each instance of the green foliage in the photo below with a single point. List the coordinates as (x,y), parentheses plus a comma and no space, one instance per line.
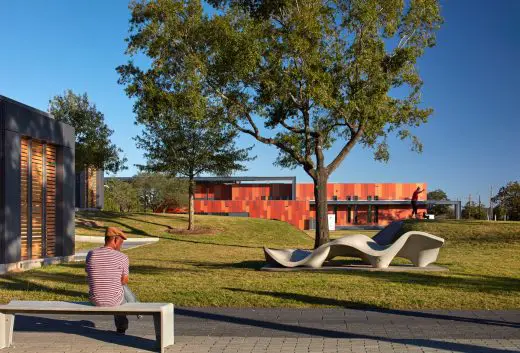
(157,191)
(179,145)
(438,210)
(474,210)
(301,76)
(508,201)
(182,133)
(120,196)
(93,146)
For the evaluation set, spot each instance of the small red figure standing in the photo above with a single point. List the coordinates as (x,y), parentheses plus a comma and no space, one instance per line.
(415,197)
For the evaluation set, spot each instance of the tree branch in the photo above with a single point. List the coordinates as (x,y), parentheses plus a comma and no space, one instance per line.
(291,128)
(345,150)
(256,133)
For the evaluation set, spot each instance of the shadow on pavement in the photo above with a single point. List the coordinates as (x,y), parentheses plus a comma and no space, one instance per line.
(320,332)
(366,307)
(85,328)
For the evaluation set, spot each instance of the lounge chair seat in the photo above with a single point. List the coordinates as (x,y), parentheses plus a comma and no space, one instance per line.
(420,248)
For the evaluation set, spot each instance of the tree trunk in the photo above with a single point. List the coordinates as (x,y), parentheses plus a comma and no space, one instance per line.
(320,196)
(191,210)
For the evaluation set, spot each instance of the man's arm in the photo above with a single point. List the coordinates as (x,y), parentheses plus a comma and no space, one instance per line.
(126,271)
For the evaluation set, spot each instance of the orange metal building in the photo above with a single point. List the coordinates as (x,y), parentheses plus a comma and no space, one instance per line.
(375,204)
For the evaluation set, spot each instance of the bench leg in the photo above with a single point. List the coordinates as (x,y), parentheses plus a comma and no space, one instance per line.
(6,330)
(164,333)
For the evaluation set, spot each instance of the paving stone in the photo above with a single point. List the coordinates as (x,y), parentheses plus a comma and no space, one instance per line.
(218,330)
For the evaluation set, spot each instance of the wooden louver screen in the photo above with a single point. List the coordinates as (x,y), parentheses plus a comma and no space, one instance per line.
(91,188)
(24,180)
(38,199)
(50,201)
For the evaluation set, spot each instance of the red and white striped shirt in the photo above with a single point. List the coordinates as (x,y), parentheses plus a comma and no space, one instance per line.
(105,267)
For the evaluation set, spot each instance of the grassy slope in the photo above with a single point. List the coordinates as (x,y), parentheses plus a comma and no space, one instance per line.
(220,269)
(131,224)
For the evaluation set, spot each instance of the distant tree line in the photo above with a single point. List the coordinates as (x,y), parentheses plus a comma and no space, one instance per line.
(145,192)
(505,205)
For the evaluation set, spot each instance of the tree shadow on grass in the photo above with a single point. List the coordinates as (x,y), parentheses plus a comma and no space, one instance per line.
(146,221)
(470,283)
(309,299)
(112,218)
(327,333)
(133,230)
(86,328)
(203,242)
(254,265)
(134,269)
(12,283)
(466,282)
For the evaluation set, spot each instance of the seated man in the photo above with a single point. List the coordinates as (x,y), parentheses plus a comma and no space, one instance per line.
(107,271)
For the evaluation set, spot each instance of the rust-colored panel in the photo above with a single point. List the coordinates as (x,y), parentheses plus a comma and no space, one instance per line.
(248,198)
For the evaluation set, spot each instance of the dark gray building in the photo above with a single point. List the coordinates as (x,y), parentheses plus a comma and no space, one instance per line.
(37,182)
(90,189)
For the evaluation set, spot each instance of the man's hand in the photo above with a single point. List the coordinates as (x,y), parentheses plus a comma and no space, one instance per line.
(124,280)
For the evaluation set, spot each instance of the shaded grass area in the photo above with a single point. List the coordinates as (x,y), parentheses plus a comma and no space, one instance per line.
(134,225)
(341,233)
(477,232)
(221,269)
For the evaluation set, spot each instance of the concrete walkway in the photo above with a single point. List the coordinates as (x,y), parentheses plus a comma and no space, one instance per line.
(128,244)
(217,330)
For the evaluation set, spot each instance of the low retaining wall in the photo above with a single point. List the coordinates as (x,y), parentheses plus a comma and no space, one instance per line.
(36,263)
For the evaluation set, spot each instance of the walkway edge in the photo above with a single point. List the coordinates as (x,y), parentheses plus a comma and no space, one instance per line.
(101,239)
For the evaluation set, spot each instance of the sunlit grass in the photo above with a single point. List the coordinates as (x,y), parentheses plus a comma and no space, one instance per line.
(82,246)
(221,269)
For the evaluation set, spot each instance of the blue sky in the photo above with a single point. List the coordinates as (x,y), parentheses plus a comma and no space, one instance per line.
(472,80)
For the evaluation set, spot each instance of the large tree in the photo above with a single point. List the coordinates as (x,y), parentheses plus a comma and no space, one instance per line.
(508,201)
(184,133)
(94,149)
(439,195)
(181,137)
(187,147)
(158,191)
(120,196)
(303,76)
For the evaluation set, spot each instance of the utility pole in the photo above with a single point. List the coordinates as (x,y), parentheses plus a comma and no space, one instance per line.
(479,209)
(469,207)
(490,213)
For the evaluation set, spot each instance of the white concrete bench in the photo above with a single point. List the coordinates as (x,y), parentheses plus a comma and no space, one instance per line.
(7,312)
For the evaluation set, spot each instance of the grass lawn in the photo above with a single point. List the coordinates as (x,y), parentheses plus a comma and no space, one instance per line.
(221,268)
(82,246)
(131,224)
(341,233)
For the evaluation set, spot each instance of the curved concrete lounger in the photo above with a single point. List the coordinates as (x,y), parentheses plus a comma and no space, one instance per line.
(419,247)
